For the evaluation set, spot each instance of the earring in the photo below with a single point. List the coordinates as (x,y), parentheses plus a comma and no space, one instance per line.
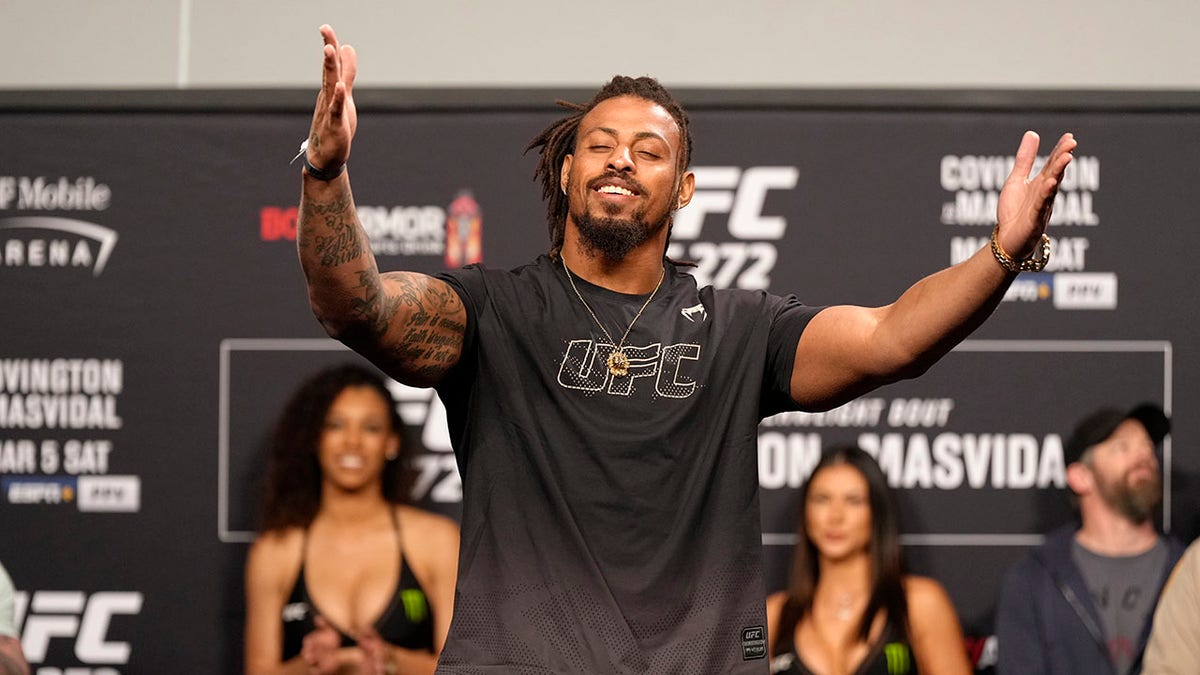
(392,455)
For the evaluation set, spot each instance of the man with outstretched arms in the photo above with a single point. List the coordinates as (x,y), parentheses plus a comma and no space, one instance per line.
(603,409)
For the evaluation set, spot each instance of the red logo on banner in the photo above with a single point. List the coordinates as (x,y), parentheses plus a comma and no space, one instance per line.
(276,223)
(464,231)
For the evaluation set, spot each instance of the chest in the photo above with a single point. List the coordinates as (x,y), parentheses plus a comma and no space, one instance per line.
(606,352)
(352,583)
(831,645)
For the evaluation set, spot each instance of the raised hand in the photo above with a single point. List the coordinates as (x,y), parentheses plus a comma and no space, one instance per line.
(1025,202)
(335,118)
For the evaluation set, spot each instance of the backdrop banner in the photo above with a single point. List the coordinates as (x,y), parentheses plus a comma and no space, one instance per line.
(155,319)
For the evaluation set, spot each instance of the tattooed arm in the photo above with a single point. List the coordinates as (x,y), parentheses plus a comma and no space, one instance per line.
(410,325)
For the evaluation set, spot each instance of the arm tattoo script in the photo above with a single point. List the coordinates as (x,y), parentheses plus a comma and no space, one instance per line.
(332,230)
(410,324)
(342,246)
(431,321)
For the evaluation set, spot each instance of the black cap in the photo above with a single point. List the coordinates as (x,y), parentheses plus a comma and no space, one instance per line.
(1098,426)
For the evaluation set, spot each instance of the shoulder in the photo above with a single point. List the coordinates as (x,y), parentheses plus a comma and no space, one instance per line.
(1049,560)
(482,285)
(543,265)
(1021,573)
(1055,551)
(931,614)
(273,563)
(1176,548)
(276,552)
(738,297)
(929,605)
(432,530)
(924,594)
(741,303)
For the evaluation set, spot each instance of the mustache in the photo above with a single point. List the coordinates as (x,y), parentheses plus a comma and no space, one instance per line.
(1149,466)
(615,178)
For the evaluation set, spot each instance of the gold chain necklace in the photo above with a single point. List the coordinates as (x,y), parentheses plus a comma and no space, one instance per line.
(618,362)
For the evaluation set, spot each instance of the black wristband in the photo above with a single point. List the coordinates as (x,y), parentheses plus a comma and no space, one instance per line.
(325,175)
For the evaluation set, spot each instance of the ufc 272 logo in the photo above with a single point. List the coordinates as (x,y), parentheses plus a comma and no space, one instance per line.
(742,195)
(78,617)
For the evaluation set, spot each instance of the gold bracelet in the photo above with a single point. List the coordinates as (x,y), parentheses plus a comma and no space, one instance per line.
(1033,263)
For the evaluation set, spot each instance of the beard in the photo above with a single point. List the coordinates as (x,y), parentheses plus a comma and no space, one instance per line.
(614,238)
(1136,501)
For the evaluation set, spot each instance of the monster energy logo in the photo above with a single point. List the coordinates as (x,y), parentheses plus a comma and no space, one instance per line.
(899,661)
(415,606)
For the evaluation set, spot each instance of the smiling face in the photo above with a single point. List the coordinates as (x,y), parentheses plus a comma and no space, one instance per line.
(356,440)
(623,181)
(837,512)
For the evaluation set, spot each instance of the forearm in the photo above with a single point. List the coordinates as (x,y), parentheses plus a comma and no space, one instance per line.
(942,309)
(344,286)
(846,351)
(937,313)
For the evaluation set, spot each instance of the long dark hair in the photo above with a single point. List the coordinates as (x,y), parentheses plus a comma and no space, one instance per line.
(557,141)
(292,485)
(887,569)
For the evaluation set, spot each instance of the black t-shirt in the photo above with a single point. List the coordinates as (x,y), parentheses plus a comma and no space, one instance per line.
(611,524)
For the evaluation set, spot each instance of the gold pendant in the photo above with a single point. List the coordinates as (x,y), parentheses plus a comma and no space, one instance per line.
(618,363)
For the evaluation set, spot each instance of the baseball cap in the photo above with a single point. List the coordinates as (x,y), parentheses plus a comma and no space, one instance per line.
(1098,426)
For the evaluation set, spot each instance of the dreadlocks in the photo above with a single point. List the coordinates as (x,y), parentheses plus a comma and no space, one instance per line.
(558,140)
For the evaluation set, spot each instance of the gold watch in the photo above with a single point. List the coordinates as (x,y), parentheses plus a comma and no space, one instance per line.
(1034,263)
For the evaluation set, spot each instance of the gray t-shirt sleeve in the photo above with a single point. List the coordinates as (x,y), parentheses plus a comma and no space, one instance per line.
(789,318)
